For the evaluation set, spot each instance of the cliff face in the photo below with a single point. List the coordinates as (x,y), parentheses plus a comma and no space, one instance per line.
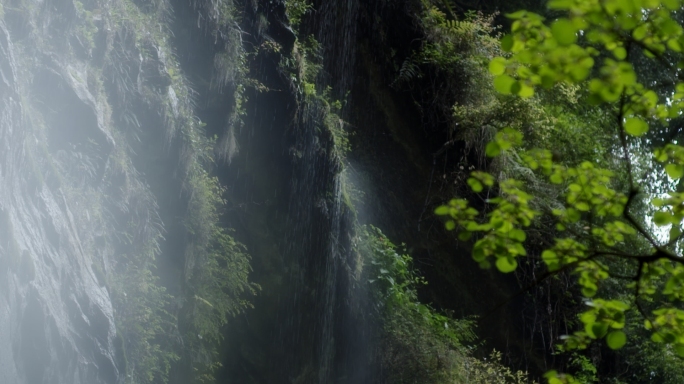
(113,229)
(143,142)
(57,318)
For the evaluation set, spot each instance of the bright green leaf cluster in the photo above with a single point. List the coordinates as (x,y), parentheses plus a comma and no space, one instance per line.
(672,155)
(588,190)
(502,237)
(564,252)
(674,209)
(542,55)
(591,273)
(674,287)
(605,318)
(504,140)
(478,179)
(592,46)
(460,212)
(668,327)
(651,276)
(613,232)
(554,377)
(538,159)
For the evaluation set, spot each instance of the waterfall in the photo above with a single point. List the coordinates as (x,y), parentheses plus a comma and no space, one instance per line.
(56,318)
(122,181)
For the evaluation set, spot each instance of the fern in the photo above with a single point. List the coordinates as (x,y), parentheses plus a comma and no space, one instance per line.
(409,70)
(459,28)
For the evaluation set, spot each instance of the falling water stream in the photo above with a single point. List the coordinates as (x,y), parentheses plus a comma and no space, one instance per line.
(112,112)
(57,318)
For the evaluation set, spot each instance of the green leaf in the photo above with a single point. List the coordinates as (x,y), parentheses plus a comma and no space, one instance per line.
(679,349)
(635,126)
(525,90)
(515,87)
(674,45)
(672,5)
(551,259)
(516,15)
(599,329)
(662,218)
(503,84)
(620,53)
(563,30)
(450,225)
(442,210)
(493,149)
(506,264)
(588,291)
(475,185)
(582,206)
(507,43)
(550,374)
(497,66)
(518,234)
(478,254)
(675,171)
(616,339)
(573,215)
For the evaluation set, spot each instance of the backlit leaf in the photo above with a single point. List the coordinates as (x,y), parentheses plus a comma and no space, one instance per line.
(635,126)
(506,264)
(492,149)
(563,30)
(599,329)
(679,349)
(507,43)
(675,171)
(475,185)
(503,84)
(497,66)
(616,339)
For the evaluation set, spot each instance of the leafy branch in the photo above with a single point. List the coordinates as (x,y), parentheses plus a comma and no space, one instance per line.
(590,47)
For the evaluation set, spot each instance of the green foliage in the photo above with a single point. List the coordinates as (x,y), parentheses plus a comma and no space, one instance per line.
(648,360)
(502,235)
(184,329)
(420,344)
(491,370)
(296,10)
(217,276)
(304,65)
(601,227)
(316,104)
(475,111)
(456,48)
(586,371)
(144,320)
